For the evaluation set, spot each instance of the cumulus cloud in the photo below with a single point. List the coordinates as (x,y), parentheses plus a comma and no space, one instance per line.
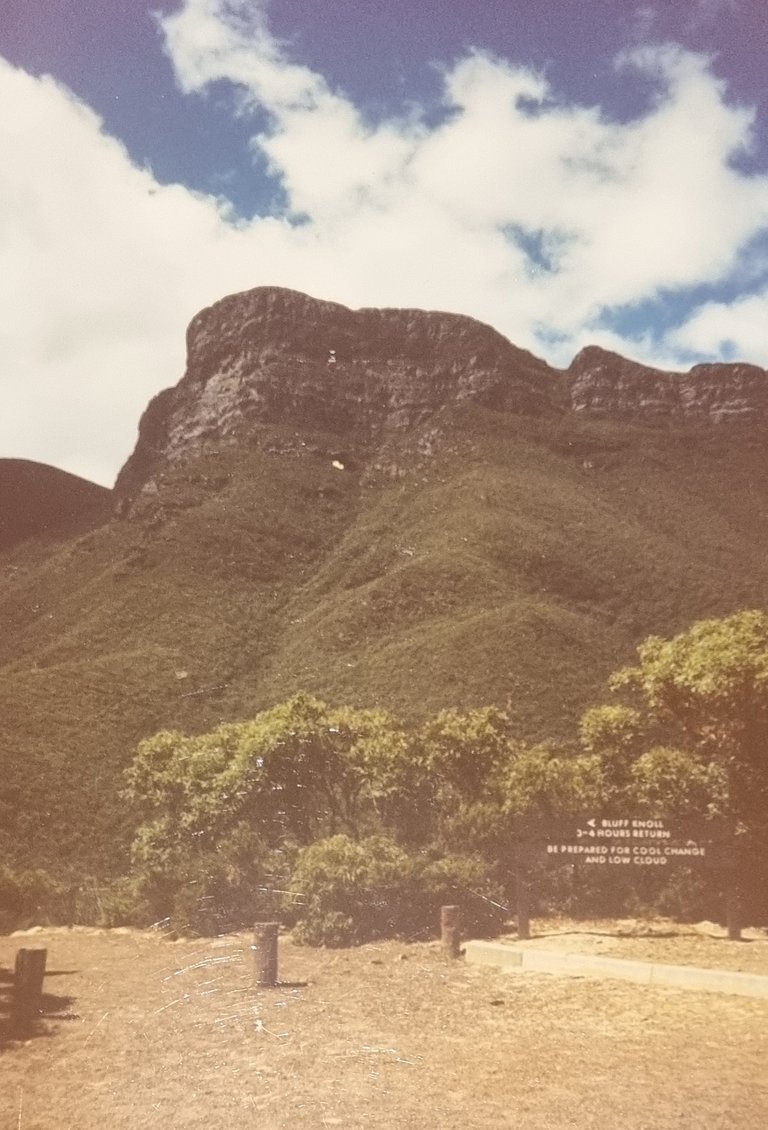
(732,330)
(538,216)
(93,287)
(552,214)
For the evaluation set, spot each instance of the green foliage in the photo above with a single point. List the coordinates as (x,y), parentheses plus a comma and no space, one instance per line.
(687,896)
(25,898)
(614,732)
(709,687)
(352,892)
(613,735)
(225,813)
(677,783)
(298,771)
(714,677)
(463,752)
(119,902)
(499,569)
(701,708)
(469,881)
(480,828)
(517,564)
(465,760)
(543,781)
(209,888)
(371,828)
(322,802)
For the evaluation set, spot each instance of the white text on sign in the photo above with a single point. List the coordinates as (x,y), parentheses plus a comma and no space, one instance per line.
(640,855)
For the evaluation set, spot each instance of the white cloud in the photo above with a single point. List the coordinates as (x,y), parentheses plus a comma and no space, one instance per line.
(629,209)
(534,215)
(734,329)
(93,288)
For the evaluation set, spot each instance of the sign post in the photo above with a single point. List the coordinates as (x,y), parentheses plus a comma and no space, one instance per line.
(626,841)
(616,844)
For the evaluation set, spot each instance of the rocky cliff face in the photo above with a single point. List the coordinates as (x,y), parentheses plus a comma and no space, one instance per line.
(605,384)
(274,356)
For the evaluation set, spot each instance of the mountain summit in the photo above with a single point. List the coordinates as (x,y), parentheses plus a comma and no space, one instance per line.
(274,356)
(385,508)
(606,384)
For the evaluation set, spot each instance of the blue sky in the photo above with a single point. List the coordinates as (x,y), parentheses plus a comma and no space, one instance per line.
(570,171)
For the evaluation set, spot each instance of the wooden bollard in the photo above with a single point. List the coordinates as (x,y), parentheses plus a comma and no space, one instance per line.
(27,988)
(265,952)
(450,929)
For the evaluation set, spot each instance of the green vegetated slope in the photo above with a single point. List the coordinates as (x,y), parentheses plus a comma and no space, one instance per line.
(44,502)
(519,563)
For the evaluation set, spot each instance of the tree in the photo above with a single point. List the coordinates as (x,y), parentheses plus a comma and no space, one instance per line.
(462,753)
(461,759)
(705,694)
(708,688)
(614,735)
(351,891)
(227,811)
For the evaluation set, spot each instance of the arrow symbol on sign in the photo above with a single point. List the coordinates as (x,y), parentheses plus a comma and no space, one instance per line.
(591,823)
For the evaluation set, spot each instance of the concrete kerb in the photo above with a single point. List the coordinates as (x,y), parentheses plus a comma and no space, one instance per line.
(523,960)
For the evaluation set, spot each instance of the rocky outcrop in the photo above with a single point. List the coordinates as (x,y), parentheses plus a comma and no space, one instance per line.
(271,355)
(275,356)
(605,384)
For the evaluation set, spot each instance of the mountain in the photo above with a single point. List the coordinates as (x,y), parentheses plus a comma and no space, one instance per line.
(37,501)
(384,507)
(273,356)
(605,384)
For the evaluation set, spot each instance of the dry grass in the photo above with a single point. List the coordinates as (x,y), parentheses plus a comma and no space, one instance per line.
(144,1033)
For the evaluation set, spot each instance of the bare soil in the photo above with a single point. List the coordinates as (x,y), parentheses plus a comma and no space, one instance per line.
(140,1032)
(704,944)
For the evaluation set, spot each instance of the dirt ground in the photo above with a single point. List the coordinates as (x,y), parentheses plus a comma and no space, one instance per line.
(141,1032)
(703,944)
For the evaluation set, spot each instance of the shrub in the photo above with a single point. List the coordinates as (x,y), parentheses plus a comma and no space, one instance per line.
(464,881)
(352,891)
(357,891)
(209,895)
(25,898)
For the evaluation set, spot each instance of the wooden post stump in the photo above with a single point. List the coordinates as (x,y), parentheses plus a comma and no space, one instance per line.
(265,952)
(27,989)
(450,929)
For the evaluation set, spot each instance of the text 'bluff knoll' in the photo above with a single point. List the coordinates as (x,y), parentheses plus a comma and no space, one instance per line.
(271,356)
